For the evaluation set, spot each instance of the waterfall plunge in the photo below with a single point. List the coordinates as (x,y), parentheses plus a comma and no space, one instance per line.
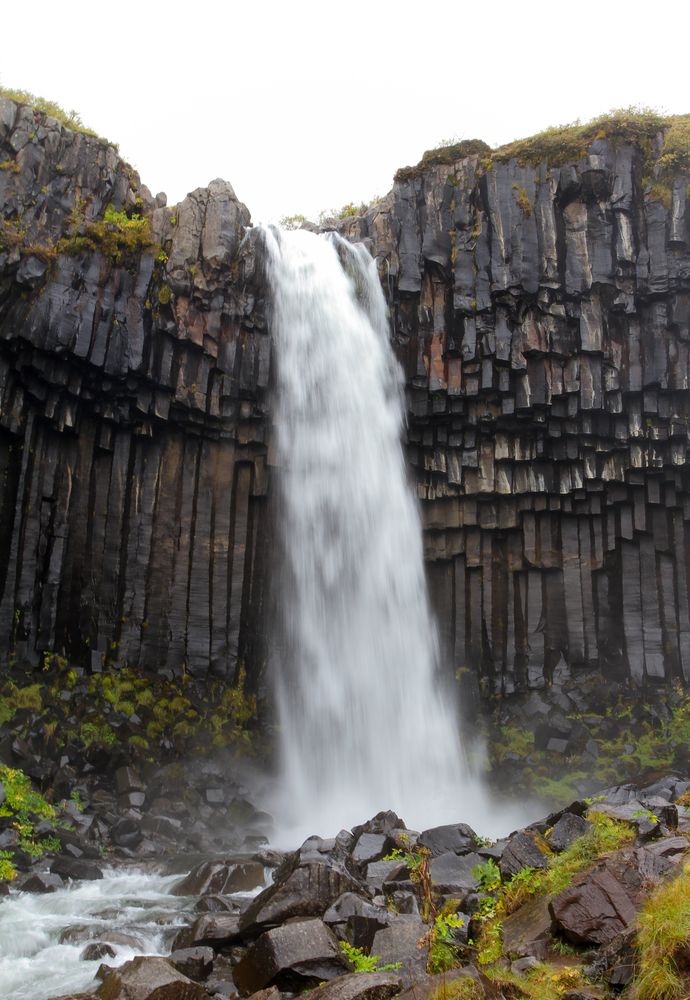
(365,721)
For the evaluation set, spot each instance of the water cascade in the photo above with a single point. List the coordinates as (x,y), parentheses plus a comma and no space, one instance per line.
(365,721)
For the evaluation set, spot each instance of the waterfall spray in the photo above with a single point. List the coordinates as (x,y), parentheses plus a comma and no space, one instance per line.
(366,722)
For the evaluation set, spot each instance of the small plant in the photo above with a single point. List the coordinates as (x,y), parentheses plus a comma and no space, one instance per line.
(443,954)
(417,863)
(488,875)
(7,869)
(361,962)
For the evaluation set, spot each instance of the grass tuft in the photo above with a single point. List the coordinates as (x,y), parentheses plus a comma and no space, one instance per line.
(71,119)
(663,941)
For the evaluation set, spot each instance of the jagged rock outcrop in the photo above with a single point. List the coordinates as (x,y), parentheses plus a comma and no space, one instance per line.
(541,309)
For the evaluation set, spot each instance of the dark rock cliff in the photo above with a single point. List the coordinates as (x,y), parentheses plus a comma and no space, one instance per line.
(541,312)
(132,430)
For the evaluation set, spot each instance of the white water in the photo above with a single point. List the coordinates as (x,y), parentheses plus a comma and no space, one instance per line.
(365,720)
(34,965)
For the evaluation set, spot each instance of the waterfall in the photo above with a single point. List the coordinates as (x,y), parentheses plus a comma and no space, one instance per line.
(365,720)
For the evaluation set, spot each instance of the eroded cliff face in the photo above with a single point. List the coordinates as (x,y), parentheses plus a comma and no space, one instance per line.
(541,314)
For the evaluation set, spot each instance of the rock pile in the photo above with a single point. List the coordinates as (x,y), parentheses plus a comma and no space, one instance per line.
(343,903)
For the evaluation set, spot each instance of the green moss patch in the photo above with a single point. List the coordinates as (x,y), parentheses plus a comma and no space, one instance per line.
(71,119)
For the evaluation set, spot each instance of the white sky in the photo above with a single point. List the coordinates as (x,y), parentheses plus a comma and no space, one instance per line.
(305,106)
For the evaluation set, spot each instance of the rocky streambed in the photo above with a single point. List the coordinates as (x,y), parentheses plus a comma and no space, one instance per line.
(555,909)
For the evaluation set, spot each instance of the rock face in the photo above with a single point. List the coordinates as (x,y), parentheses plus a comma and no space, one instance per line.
(541,312)
(132,435)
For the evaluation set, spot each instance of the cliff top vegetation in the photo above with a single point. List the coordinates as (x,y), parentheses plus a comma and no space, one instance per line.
(564,143)
(72,119)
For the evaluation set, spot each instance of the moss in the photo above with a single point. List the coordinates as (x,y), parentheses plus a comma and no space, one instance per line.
(118,236)
(567,143)
(71,119)
(445,154)
(164,295)
(522,200)
(662,941)
(542,982)
(10,165)
(564,143)
(464,988)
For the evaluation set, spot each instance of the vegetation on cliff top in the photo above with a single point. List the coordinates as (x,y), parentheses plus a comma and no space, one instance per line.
(565,143)
(72,119)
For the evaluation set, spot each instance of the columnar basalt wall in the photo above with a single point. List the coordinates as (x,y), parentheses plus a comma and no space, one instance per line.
(132,433)
(541,314)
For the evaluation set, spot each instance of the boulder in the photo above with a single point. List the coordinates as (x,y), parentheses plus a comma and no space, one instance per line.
(297,955)
(77,869)
(96,951)
(383,871)
(214,929)
(356,920)
(146,978)
(359,986)
(457,838)
(195,963)
(384,822)
(400,942)
(521,852)
(218,877)
(305,890)
(528,930)
(452,873)
(593,910)
(371,847)
(568,828)
(440,986)
(42,882)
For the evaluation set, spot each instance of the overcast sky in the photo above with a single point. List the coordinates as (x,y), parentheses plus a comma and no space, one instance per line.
(306,106)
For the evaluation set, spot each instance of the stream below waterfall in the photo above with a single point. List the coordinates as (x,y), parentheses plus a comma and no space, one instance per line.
(43,935)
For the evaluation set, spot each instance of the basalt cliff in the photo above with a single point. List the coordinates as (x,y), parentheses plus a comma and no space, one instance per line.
(540,301)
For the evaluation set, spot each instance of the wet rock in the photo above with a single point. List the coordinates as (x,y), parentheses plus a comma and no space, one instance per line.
(216,904)
(76,869)
(360,986)
(568,828)
(521,852)
(96,951)
(43,882)
(305,890)
(220,877)
(272,993)
(149,979)
(195,963)
(215,929)
(298,954)
(616,962)
(126,832)
(594,910)
(455,838)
